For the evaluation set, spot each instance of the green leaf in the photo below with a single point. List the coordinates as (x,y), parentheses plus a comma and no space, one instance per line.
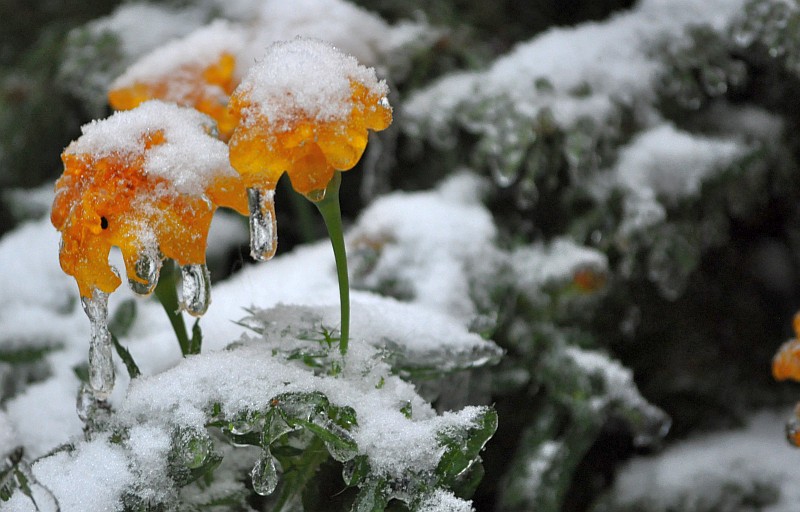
(462,446)
(121,321)
(372,497)
(82,372)
(196,342)
(24,355)
(184,475)
(127,358)
(356,470)
(298,471)
(337,440)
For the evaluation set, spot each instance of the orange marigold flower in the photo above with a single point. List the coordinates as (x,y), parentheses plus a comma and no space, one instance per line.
(197,71)
(147,181)
(304,109)
(786,363)
(589,280)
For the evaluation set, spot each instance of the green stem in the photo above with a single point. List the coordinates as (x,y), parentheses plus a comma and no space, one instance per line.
(332,215)
(167,294)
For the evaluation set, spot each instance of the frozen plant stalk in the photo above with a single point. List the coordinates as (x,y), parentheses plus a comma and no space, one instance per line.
(305,110)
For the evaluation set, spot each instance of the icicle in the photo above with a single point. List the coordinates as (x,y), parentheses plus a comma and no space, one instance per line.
(146,268)
(195,290)
(263,229)
(315,196)
(264,474)
(101,365)
(85,404)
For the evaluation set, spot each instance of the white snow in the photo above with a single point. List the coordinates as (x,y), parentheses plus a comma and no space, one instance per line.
(672,163)
(296,294)
(90,478)
(663,165)
(198,50)
(141,27)
(149,32)
(426,242)
(698,473)
(618,384)
(45,412)
(351,28)
(554,262)
(612,58)
(444,501)
(44,284)
(8,435)
(305,79)
(189,158)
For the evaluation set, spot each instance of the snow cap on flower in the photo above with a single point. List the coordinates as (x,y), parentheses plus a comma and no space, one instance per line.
(148,181)
(304,109)
(197,71)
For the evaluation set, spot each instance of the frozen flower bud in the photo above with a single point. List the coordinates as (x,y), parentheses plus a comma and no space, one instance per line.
(304,109)
(196,71)
(147,181)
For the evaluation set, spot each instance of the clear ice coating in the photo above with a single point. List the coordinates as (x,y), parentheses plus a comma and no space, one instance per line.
(341,446)
(146,268)
(101,364)
(264,474)
(195,290)
(316,196)
(85,403)
(194,449)
(263,228)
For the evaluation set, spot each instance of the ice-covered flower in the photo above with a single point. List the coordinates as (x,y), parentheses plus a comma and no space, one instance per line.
(786,363)
(786,366)
(304,109)
(147,181)
(196,71)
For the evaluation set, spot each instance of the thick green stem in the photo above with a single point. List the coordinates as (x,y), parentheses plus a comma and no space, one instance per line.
(167,294)
(332,215)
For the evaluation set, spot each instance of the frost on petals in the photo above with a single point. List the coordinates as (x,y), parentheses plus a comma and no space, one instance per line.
(146,180)
(198,71)
(305,109)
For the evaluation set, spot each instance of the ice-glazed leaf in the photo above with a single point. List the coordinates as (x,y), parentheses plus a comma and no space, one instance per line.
(463,445)
(185,475)
(355,470)
(372,497)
